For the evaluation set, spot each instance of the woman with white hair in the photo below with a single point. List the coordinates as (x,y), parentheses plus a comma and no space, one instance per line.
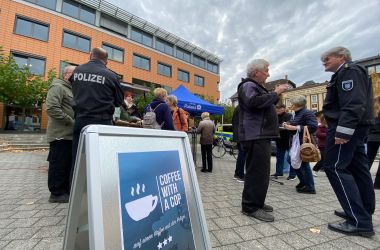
(302,117)
(178,114)
(207,129)
(161,109)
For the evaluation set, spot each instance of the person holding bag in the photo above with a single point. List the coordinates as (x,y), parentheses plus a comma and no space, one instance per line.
(303,117)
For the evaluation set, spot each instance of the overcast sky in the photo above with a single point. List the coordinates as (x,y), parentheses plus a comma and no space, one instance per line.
(290,34)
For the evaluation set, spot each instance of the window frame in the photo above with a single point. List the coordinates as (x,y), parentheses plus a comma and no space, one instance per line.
(196,82)
(183,71)
(36,2)
(198,58)
(28,56)
(311,99)
(166,45)
(113,47)
(34,22)
(80,7)
(77,35)
(143,57)
(183,51)
(142,34)
(165,65)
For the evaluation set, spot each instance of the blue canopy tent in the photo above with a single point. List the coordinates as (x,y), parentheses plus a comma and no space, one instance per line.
(193,104)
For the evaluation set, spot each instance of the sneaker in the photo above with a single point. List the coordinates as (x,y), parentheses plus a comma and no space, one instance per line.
(291,178)
(64,198)
(235,176)
(267,208)
(240,179)
(315,173)
(299,186)
(260,214)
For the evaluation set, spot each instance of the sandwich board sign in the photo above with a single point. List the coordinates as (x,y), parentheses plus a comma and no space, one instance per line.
(135,188)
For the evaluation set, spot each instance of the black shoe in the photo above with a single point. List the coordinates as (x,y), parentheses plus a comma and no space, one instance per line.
(267,208)
(275,175)
(203,170)
(347,228)
(209,170)
(341,214)
(300,186)
(376,184)
(306,190)
(260,214)
(64,198)
(291,178)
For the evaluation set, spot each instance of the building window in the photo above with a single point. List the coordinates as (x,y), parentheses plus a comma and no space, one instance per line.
(64,64)
(114,25)
(199,61)
(141,37)
(183,55)
(32,29)
(141,62)
(114,53)
(314,106)
(199,80)
(314,98)
(35,65)
(183,76)
(78,11)
(168,89)
(74,41)
(50,4)
(212,67)
(288,103)
(164,46)
(164,69)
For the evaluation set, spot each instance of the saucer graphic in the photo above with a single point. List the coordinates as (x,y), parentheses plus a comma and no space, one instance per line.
(142,207)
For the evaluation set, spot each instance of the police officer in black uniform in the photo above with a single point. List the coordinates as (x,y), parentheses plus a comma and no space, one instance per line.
(348,112)
(97,91)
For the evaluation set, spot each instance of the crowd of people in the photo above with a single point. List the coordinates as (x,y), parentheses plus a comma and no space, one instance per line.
(343,130)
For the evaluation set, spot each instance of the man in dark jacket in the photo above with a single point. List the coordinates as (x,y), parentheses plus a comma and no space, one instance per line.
(348,111)
(240,161)
(257,126)
(97,91)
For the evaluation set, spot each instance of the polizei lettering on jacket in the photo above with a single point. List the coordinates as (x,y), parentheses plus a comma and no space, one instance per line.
(86,77)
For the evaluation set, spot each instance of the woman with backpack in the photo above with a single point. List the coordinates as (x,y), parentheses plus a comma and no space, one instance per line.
(163,116)
(178,114)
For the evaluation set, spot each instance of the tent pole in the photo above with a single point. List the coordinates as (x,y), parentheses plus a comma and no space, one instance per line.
(222,120)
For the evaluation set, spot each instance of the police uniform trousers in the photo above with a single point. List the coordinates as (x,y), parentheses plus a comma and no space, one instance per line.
(346,167)
(80,123)
(59,159)
(256,180)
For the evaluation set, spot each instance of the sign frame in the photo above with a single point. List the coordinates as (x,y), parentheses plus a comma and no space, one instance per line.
(94,218)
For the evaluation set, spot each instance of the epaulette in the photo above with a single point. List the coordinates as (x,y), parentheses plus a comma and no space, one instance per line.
(346,65)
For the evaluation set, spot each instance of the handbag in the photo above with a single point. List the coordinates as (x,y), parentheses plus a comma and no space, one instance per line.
(308,151)
(294,152)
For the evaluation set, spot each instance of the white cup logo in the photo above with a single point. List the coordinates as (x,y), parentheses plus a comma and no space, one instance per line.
(142,207)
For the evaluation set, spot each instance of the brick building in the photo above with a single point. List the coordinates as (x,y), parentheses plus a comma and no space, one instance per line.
(51,34)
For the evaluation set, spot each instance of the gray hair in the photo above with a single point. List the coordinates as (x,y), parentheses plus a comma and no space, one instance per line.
(337,51)
(256,65)
(173,99)
(67,69)
(298,101)
(205,115)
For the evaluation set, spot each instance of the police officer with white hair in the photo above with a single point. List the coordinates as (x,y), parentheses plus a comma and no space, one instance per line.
(348,112)
(97,91)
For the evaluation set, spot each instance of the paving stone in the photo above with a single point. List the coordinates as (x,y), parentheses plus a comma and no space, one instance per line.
(50,231)
(21,244)
(5,222)
(266,229)
(295,240)
(223,212)
(48,221)
(284,226)
(225,222)
(5,231)
(28,222)
(365,242)
(228,247)
(6,214)
(250,245)
(323,246)
(227,236)
(214,241)
(248,233)
(50,243)
(21,233)
(313,237)
(210,214)
(211,226)
(299,223)
(3,243)
(243,220)
(274,243)
(24,214)
(46,213)
(345,244)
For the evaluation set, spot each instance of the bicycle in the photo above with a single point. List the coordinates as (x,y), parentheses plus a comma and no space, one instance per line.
(221,147)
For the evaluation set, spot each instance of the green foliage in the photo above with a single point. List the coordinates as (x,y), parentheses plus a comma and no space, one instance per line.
(227,116)
(19,86)
(142,101)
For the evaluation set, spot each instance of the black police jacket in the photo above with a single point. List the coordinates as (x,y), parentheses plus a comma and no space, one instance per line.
(96,90)
(348,101)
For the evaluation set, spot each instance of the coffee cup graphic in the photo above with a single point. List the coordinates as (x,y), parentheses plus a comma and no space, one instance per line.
(142,207)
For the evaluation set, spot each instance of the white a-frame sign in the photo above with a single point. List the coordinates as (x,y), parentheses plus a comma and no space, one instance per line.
(135,189)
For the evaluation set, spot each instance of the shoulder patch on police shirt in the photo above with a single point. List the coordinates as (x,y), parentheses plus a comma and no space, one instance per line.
(347,85)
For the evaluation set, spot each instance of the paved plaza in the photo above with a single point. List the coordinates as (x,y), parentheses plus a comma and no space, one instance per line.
(28,221)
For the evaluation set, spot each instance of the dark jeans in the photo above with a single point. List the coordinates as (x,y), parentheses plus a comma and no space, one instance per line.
(280,160)
(346,167)
(305,175)
(59,159)
(206,150)
(78,125)
(292,171)
(240,162)
(372,148)
(319,165)
(256,182)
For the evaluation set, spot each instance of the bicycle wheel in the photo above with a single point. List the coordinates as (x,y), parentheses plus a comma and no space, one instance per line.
(218,150)
(234,152)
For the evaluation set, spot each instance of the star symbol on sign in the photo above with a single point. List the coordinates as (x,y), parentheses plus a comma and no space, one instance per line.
(170,238)
(159,246)
(165,242)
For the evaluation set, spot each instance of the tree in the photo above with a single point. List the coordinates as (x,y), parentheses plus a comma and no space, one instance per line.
(227,115)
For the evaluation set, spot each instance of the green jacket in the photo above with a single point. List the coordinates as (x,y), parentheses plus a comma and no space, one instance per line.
(59,110)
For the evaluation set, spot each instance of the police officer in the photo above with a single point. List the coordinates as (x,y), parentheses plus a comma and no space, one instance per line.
(348,112)
(96,92)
